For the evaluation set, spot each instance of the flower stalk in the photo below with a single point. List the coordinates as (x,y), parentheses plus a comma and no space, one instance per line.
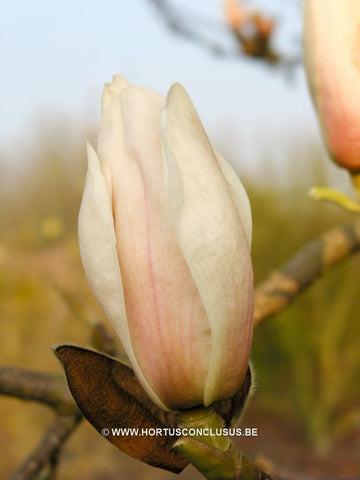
(215,456)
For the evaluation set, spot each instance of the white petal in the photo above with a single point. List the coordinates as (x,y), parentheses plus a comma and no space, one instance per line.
(100,261)
(212,240)
(169,330)
(111,139)
(118,84)
(238,193)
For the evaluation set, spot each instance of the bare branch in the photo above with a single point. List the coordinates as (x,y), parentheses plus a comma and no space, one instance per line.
(46,454)
(191,27)
(51,390)
(180,26)
(36,386)
(285,284)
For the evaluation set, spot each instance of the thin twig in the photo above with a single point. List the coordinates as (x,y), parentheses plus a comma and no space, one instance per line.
(285,284)
(49,389)
(46,454)
(182,27)
(36,386)
(182,24)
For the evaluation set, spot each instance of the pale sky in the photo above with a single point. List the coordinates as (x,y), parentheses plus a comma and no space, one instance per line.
(56,55)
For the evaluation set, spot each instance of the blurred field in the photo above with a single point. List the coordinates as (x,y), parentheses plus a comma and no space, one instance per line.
(307,360)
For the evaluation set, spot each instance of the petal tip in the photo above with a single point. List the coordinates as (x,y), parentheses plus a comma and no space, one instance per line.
(177,91)
(115,87)
(118,84)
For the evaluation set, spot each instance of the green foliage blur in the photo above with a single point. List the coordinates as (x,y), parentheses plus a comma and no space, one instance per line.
(307,359)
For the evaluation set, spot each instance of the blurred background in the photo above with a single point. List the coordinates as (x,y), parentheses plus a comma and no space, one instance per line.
(56,56)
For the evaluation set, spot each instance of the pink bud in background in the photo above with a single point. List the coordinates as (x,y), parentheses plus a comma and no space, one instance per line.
(165,231)
(332,61)
(263,26)
(236,13)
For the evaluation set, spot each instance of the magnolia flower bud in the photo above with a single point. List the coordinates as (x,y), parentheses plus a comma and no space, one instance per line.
(331,51)
(165,230)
